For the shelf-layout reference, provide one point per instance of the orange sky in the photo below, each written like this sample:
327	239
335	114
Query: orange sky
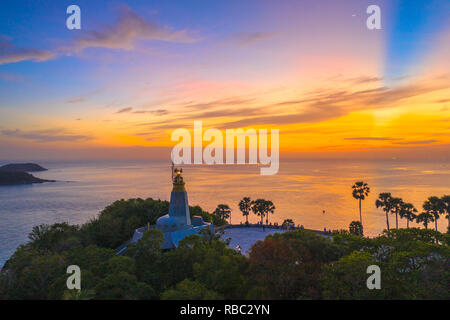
323	86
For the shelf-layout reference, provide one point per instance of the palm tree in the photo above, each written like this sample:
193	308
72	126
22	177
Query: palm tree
262	208
434	206
360	192
258	208
245	205
446	201
396	207
384	201
408	212
270	208
426	218
223	211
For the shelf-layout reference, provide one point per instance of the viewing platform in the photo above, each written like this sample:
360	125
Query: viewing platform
243	236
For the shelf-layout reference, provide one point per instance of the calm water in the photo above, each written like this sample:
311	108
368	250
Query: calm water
300	191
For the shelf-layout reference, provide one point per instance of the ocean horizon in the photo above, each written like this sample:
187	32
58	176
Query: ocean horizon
313	193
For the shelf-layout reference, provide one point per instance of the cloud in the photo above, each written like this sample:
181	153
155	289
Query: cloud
244	39
51	135
328	104
365	79
158	112
129	28
372	139
125	110
10	53
232	101
84	97
416	142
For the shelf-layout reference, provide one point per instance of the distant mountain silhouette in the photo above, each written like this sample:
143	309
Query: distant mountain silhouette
8	178
17	174
22	167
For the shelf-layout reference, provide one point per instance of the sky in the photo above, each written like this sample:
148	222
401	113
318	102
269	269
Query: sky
137	70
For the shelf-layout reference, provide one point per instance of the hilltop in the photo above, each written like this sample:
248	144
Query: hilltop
22	167
11	178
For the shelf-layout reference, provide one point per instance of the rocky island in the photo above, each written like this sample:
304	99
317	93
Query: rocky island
22	167
17	174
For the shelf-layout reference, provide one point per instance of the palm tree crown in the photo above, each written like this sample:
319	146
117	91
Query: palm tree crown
425	217
408	211
434	206
262	208
446	202
396	205
245	205
384	201
360	192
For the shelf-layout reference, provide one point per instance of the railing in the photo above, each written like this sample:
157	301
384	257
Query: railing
269	226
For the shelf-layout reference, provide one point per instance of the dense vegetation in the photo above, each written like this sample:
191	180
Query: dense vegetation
292	265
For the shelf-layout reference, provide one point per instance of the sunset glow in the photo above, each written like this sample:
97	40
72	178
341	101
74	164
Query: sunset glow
127	79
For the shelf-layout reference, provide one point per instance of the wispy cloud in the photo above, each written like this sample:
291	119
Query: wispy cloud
10	53
331	104
83	97
373	139
51	135
130	27
244	39
125	110
365	79
417	142
231	101
158	112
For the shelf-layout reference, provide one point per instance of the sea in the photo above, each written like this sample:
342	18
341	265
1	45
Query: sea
314	193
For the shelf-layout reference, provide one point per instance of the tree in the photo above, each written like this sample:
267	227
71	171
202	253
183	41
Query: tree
360	192
78	294
262	208
434	206
413	266
425	217
190	290
223	211
396	204
287	222
346	278
55	238
408	212
384	201
245	205
207	233
446	201
288	265
123	285
356	228
270	208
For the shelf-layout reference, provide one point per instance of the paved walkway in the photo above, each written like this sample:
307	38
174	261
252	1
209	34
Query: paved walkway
247	236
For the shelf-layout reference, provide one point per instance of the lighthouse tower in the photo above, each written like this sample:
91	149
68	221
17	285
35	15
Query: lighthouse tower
178	217
177	224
